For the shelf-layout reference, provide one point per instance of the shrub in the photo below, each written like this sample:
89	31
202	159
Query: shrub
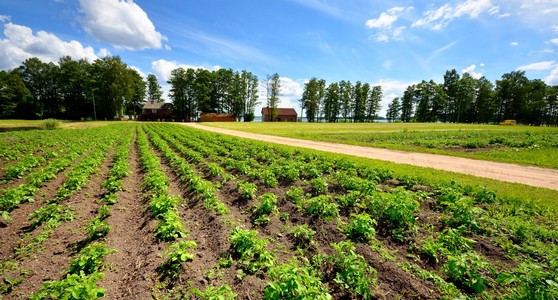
394	211
321	207
90	259
250	249
73	287
319	186
247	190
50	124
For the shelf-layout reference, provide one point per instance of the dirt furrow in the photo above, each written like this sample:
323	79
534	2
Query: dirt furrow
132	270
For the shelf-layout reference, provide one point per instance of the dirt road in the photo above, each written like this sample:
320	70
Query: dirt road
534	176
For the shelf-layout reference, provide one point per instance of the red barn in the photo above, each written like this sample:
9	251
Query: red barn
279	115
155	111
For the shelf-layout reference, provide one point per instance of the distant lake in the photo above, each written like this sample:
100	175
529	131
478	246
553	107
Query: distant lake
304	119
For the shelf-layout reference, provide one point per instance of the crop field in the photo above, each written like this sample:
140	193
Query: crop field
164	211
529	145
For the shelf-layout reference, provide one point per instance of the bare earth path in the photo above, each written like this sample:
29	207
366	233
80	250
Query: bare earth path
534	176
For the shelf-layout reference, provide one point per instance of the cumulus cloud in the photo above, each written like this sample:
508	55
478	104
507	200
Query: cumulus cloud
514	44
20	44
384	24
440	17
291	91
4	18
539	66
162	68
554	41
471	70
122	24
555	28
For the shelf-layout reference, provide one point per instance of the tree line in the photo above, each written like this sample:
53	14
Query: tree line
220	91
464	99
341	101
108	88
71	89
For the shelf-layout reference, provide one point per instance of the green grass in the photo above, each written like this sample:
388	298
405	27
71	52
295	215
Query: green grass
526	145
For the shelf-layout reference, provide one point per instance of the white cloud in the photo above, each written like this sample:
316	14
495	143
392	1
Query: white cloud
555	27
439	18
103	53
20	44
384	24
471	70
142	74
4	18
122	24
552	78
514	44
554	41
291	92
539	66
162	68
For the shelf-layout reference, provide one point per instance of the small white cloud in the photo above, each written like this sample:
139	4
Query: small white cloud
514	44
384	23
122	24
139	72
539	66
4	18
471	70
501	16
439	18
20	44
548	51
554	41
555	28
481	65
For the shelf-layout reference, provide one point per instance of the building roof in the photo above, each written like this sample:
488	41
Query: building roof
157	105
281	111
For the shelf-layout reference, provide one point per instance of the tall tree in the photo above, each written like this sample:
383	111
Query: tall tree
510	90
407	104
486	101
347	99
314	91
361	96
331	103
74	81
134	106
393	110
250	95
154	91
113	86
373	103
451	88
182	93
273	89
14	95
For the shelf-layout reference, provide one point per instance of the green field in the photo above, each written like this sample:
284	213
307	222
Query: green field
211	215
527	145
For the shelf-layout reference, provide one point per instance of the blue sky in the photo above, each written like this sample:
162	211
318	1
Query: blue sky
388	43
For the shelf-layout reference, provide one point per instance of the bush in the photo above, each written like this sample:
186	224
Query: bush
293	282
50	124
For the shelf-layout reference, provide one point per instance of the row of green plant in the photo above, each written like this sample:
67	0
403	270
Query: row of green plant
24	192
165	208
360	195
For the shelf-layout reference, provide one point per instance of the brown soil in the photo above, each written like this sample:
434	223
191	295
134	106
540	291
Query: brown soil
534	176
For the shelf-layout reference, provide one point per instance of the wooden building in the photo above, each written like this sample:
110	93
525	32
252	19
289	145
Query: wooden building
279	115
156	111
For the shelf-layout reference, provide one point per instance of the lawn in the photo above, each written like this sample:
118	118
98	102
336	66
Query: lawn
513	144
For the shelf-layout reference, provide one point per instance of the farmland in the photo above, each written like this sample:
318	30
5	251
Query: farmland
160	210
527	145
